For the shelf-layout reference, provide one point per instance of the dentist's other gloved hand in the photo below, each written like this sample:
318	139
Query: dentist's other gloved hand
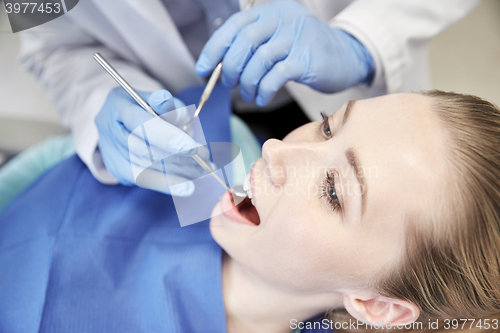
132	139
264	47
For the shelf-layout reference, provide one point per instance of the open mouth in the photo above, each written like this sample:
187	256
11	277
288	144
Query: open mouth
248	211
240	210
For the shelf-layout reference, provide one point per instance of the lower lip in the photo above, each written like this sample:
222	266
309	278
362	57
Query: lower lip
231	212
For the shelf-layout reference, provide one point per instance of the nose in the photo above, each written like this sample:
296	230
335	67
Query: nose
282	158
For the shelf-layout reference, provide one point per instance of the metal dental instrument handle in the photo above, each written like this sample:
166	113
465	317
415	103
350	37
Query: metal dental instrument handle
248	5
121	81
150	110
208	169
206	93
211	82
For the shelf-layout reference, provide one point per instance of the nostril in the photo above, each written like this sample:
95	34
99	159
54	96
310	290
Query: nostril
276	174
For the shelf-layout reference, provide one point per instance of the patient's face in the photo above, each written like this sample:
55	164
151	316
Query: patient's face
332	198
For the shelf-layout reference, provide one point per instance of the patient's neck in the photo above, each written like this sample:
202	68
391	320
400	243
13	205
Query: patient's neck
252	305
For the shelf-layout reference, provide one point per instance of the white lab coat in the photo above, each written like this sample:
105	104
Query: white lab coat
141	41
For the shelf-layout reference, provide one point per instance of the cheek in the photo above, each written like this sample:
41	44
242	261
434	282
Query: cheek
313	246
305	249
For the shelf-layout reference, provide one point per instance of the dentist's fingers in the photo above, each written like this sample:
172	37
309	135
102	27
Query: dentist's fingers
244	45
221	40
264	58
281	73
119	168
165	139
161	101
169	108
130	114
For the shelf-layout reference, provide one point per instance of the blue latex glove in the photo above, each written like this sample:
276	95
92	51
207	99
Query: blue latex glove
121	122
266	46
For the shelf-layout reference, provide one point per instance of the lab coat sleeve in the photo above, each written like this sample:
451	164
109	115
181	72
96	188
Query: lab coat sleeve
396	31
60	56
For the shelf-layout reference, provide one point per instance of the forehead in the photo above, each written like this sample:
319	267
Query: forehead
400	146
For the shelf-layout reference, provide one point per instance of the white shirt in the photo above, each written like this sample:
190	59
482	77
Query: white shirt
197	20
141	40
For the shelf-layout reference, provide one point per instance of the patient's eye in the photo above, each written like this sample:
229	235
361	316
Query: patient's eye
329	192
325	126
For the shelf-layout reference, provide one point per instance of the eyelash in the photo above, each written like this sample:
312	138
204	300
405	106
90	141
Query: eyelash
329	181
323	126
328	184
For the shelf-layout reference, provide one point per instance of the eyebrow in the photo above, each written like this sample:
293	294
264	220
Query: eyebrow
347	112
353	161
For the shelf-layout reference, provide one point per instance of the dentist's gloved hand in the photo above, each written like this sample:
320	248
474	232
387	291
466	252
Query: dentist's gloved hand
266	46
122	124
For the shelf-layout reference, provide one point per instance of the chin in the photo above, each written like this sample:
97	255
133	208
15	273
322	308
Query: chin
215	218
230	225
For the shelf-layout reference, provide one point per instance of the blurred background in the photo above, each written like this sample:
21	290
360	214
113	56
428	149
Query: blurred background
465	58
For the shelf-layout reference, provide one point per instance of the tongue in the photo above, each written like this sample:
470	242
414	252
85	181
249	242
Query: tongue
248	211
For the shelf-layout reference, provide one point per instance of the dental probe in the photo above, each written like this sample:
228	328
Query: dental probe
211	82
121	81
128	88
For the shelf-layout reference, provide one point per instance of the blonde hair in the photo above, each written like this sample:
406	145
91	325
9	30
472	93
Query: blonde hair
456	276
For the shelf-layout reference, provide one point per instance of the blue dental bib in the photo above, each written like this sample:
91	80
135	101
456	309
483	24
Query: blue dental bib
80	256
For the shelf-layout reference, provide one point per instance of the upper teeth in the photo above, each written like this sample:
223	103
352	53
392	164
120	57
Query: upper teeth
247	187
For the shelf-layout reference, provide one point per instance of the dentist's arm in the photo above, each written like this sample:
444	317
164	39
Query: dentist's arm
397	34
59	54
